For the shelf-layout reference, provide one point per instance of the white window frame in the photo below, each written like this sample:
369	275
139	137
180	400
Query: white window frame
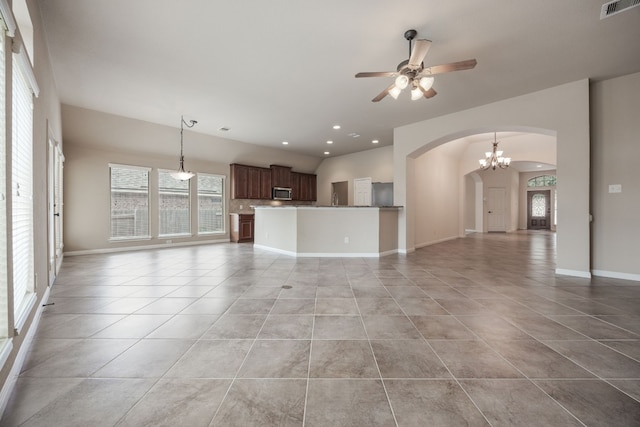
141	236
224	206
25	88
186	233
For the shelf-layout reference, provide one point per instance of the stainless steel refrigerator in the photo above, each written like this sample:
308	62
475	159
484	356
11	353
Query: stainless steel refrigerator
382	194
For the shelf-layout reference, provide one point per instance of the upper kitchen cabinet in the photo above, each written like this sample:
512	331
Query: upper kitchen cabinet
280	176
239	181
250	182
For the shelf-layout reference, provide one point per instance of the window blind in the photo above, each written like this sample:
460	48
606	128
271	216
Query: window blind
129	202
173	205
210	204
22	189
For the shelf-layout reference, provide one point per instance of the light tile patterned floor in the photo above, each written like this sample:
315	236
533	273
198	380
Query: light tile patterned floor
475	331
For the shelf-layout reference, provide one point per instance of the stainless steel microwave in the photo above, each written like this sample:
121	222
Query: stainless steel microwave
281	193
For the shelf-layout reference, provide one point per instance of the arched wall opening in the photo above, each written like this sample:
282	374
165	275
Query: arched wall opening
562	110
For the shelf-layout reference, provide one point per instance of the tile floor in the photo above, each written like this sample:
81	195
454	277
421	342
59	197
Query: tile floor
475	331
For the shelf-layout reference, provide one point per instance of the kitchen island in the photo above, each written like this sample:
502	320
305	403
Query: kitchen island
327	231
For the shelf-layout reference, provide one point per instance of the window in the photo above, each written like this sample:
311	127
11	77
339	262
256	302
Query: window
542	181
210	204
4	307
22	190
173	205
129	202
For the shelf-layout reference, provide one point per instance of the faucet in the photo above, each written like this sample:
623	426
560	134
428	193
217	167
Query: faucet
334	199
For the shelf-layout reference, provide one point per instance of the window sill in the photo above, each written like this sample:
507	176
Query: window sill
128	239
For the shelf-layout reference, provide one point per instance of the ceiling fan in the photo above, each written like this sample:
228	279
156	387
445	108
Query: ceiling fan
412	72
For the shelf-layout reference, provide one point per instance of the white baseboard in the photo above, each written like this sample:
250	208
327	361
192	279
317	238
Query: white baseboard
12	378
141	248
446	239
574	273
616	275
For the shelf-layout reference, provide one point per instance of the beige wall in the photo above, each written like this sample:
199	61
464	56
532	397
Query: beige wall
436	195
376	163
94	139
561	111
615	144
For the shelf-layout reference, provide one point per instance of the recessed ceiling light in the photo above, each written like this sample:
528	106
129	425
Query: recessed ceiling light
539	166
285	143
375	141
336	127
354	135
329	142
326	153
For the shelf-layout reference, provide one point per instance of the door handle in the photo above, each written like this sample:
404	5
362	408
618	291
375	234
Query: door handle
490	212
56	214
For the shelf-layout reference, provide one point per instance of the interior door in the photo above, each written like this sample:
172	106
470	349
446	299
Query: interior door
54	193
496	210
539	210
362	191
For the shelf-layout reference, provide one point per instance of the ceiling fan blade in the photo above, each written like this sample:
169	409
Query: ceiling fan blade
383	93
377	74
428	93
419	51
446	68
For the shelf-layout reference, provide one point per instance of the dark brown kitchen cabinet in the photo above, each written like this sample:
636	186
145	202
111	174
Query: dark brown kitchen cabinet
254	183
295	186
242	226
281	176
239	181
265	183
250	182
303	186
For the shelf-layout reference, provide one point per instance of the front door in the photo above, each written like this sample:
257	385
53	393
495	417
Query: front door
538	210
497	213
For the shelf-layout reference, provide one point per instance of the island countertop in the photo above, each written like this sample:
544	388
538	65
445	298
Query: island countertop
324	206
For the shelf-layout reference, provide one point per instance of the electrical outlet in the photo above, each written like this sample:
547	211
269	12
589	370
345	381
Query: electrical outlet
615	188
346	240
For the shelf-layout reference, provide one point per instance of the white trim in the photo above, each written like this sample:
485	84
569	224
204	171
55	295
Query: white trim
406	251
434	242
7	17
616	275
141	248
5	352
12	378
25	311
20	52
327	254
575	273
117	165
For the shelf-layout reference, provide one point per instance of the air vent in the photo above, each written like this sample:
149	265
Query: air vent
614	7
224	129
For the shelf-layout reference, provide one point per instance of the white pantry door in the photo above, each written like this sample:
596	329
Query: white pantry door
362	191
496	209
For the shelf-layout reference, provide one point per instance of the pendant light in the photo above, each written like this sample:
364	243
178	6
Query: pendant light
181	174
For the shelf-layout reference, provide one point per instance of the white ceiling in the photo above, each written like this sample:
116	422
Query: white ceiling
283	70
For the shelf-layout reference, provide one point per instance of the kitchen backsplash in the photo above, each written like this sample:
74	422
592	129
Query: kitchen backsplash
244	205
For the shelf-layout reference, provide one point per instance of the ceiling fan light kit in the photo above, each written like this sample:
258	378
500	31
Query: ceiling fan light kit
413	72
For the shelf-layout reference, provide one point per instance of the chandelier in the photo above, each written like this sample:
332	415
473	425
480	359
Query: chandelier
181	174
494	158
